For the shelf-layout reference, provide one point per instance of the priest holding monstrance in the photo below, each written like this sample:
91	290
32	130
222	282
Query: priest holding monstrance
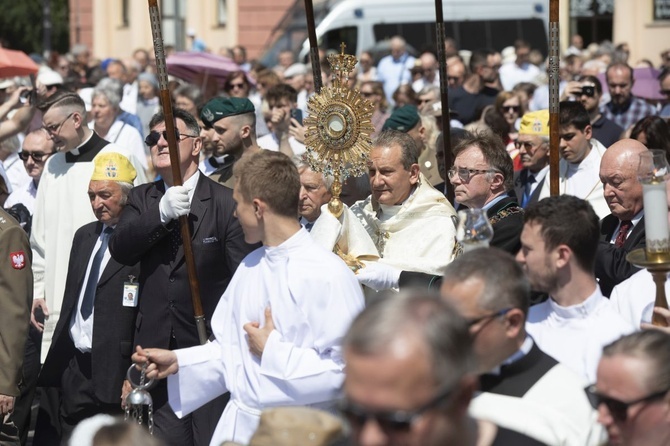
405	222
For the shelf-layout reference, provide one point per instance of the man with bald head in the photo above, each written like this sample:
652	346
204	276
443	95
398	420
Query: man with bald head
623	230
429	73
394	70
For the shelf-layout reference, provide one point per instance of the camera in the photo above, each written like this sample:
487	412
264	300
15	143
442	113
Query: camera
588	90
25	96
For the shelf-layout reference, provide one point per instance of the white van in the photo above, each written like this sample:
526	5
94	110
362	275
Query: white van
474	24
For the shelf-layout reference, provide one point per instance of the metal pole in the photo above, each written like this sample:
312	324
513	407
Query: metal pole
166	103
444	94
313	46
553	70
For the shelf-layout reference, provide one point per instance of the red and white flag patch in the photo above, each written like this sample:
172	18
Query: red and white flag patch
18	259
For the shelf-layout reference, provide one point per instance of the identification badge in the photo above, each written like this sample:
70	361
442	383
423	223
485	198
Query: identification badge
131	293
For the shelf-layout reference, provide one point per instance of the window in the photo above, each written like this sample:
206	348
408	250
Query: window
125	21
221	12
661	9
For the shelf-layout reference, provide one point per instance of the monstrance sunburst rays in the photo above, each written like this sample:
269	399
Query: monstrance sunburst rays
338	129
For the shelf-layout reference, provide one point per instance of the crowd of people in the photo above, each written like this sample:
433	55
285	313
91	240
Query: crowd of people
373	327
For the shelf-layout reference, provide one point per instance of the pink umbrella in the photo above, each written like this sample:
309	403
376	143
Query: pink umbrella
198	68
646	84
16	63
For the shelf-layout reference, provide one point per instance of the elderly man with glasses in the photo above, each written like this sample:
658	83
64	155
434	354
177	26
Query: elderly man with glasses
533	146
149	233
482	177
521	387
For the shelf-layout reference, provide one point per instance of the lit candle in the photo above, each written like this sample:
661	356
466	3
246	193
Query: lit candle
652	171
656	217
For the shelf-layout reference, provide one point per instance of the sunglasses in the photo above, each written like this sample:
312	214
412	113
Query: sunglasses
618	409
234	86
153	137
473	322
665	92
511	108
389	421
527	145
465	174
37	157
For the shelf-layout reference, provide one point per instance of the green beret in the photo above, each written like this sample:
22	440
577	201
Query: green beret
403	119
219	108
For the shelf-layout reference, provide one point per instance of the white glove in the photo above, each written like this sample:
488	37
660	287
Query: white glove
378	276
174	204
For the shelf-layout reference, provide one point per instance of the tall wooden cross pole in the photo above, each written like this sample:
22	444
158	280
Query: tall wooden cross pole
553	69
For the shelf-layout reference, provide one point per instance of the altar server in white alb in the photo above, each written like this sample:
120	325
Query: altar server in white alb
279	326
558	249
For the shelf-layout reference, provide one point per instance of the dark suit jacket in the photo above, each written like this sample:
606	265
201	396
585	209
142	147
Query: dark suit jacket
113	324
520	180
165	307
612	267
506	218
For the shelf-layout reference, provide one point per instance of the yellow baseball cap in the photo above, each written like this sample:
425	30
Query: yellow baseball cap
113	166
535	123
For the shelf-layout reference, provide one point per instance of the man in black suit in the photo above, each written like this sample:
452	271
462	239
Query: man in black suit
482	176
623	230
92	342
518	381
149	233
533	145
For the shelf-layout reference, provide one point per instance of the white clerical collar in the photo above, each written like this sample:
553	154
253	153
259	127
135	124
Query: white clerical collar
525	348
75	151
388	212
188	184
579	311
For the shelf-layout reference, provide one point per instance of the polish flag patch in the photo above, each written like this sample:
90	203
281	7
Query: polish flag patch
18	259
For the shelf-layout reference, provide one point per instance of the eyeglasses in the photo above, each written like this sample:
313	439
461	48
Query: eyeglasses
54	129
665	92
234	86
618	409
527	145
465	174
475	321
37	157
389	421
511	108
153	137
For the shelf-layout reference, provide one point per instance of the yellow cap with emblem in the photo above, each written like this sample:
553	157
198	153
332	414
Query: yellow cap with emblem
535	123
112	166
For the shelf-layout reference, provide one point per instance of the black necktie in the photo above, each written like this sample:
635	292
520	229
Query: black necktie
93	275
309	225
527	190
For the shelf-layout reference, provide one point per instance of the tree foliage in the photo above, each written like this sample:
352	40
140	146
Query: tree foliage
22	25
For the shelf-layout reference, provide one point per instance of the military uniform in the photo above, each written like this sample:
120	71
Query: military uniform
16	297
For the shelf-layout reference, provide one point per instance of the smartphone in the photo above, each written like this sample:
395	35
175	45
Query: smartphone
296	114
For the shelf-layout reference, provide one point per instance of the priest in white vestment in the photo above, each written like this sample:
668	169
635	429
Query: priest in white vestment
62	205
278	327
410	223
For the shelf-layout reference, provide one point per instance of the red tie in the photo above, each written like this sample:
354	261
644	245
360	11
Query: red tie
623	233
